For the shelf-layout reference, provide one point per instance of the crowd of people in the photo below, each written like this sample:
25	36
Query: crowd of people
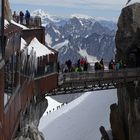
81	65
19	17
99	65
116	65
112	65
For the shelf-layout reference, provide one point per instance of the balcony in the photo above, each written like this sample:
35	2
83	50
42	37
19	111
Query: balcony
32	22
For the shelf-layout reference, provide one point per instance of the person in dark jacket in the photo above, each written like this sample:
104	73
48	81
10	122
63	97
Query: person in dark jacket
14	16
111	63
102	64
27	17
21	15
97	66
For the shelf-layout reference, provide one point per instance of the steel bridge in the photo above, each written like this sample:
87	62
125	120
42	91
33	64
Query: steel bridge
70	83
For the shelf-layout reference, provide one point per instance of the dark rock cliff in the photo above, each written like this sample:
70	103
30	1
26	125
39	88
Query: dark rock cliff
125	117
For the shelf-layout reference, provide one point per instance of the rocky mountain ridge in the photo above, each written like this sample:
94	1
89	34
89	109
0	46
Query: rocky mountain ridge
78	37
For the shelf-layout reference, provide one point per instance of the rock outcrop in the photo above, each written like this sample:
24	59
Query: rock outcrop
30	132
103	133
128	36
29	128
125	118
116	123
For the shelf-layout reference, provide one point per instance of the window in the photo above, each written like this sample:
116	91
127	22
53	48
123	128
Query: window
28	62
46	69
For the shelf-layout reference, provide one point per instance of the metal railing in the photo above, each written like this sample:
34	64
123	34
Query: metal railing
123	75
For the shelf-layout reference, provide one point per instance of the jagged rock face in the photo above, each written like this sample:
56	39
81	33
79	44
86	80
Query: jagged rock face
29	127
128	50
30	132
128	36
116	124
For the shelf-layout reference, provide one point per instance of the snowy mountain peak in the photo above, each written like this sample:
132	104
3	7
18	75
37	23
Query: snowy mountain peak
48	18
79	36
81	16
42	14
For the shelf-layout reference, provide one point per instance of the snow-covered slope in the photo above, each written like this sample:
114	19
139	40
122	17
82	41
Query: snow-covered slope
81	118
52	104
89	58
60	45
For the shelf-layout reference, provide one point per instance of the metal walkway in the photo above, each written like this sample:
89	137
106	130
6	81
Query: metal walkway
70	83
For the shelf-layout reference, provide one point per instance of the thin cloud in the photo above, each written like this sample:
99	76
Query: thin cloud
76	3
105	8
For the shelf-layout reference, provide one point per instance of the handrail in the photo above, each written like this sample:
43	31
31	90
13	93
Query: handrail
45	75
100	75
78	82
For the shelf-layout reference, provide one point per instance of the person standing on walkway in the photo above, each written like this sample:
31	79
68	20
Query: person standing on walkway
21	15
14	16
27	17
102	64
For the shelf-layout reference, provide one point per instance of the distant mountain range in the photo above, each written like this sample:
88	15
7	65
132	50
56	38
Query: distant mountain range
79	36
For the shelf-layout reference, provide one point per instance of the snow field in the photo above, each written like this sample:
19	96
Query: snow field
81	118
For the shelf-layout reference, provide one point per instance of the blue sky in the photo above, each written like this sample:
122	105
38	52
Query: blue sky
109	9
